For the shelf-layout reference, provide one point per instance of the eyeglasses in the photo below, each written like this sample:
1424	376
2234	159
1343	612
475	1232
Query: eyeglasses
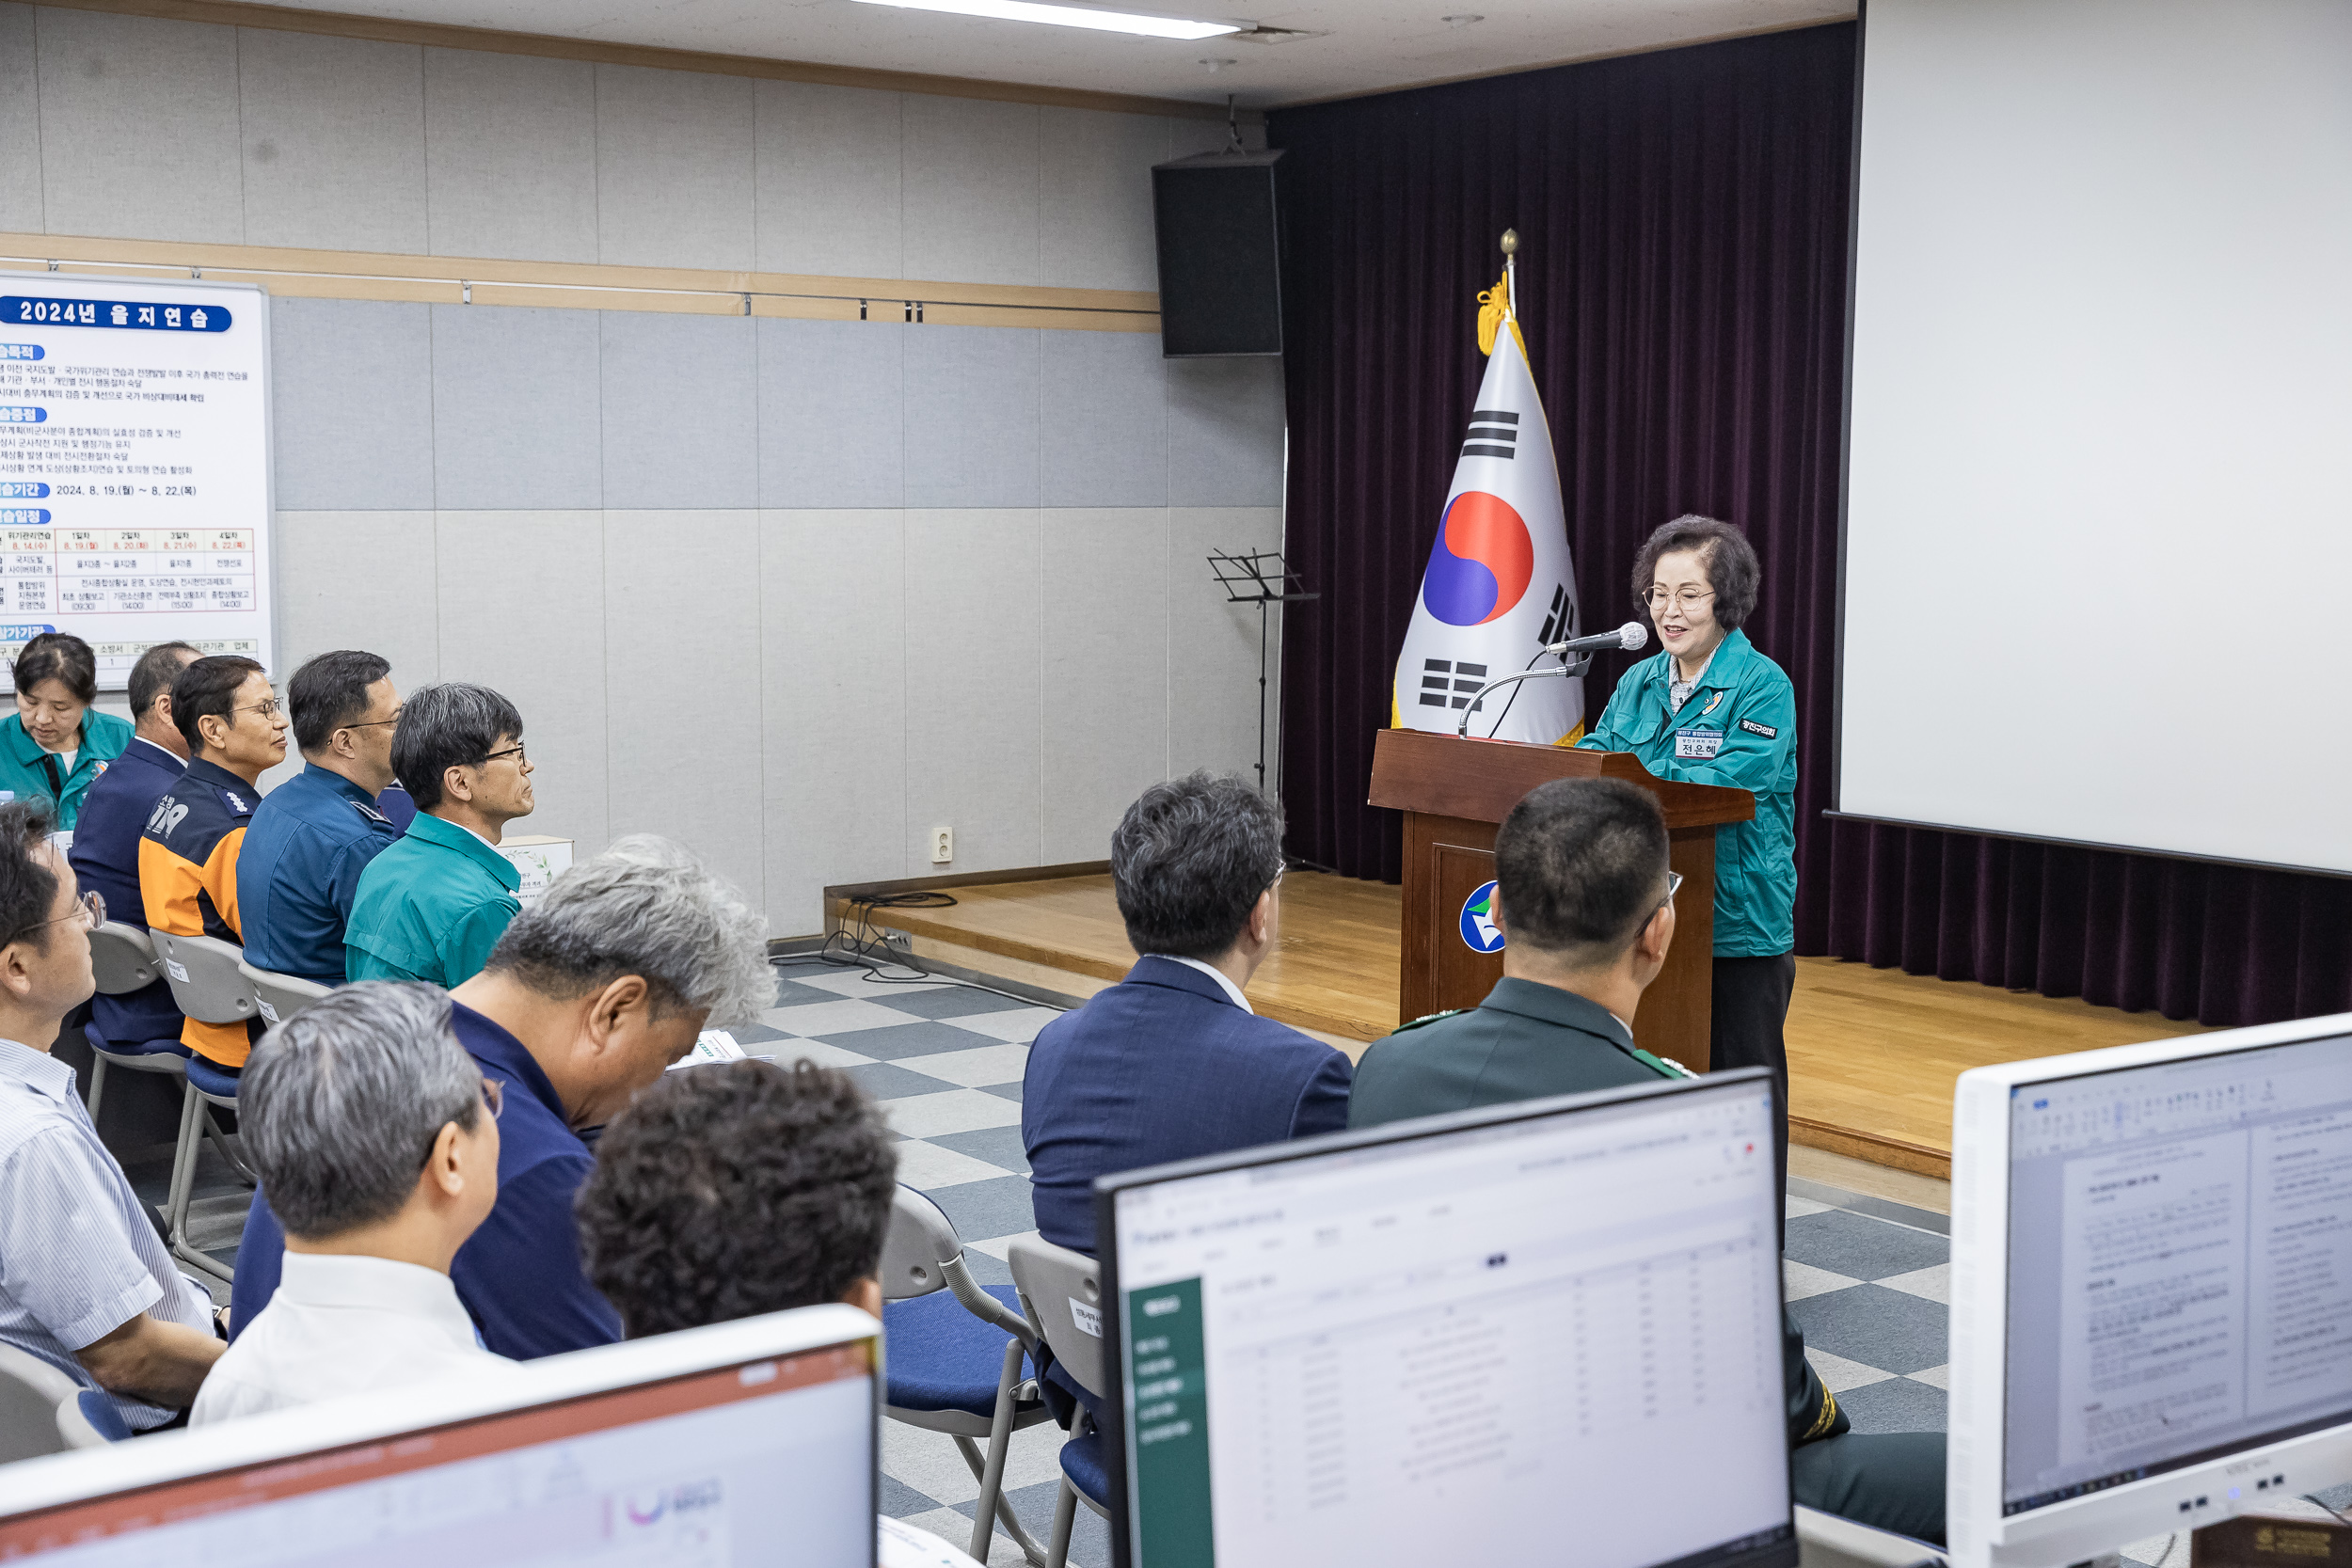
520	756
494	1096
268	709
370	723
90	906
1684	598
1673	885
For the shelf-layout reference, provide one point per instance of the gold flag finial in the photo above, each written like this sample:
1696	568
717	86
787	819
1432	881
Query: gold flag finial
1510	241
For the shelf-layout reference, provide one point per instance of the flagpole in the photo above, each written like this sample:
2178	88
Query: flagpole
1510	268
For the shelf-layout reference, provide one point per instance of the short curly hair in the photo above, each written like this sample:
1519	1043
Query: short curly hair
1732	569
723	1192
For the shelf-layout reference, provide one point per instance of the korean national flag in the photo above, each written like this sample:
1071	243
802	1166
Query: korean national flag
1499	585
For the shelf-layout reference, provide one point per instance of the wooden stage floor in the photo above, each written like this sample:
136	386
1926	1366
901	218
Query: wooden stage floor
1872	1053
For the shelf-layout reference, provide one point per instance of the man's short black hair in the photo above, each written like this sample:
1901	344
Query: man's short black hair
448	725
207	689
725	1191
330	692
1579	868
156	670
1188	861
27	888
60	656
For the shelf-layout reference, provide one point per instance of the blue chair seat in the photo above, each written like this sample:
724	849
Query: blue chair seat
148	1048
1082	1462
212	1077
99	1412
942	1357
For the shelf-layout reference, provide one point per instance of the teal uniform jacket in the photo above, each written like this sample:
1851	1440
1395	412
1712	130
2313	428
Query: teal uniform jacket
430	908
1739	728
24	766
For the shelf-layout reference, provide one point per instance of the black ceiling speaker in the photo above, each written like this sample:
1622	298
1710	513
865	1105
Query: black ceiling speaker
1221	254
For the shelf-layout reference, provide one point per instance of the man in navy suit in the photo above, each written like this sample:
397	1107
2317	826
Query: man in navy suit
105	852
1172	1062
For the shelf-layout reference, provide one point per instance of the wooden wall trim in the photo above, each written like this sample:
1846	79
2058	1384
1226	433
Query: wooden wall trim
435	35
586	286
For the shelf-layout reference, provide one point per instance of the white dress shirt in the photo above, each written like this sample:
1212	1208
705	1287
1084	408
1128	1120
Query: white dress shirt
343	1326
1215	974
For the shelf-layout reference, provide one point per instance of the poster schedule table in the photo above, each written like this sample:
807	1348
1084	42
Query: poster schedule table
135	465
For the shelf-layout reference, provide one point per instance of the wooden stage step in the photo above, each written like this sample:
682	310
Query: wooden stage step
1872	1053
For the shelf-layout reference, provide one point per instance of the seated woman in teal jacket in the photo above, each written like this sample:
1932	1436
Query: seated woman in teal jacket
54	744
1711	709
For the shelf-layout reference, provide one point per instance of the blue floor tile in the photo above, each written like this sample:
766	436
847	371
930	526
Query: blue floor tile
981	1210
1860	1248
1090	1535
894	1041
998	1145
955	1002
1876	1327
791	993
1003	1091
1898	1404
898	1500
885	1081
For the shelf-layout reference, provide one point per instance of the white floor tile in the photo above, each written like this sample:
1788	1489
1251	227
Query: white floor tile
834	1018
1934	1377
1800	1280
999	1247
1018	1025
1799	1206
784	1052
928	1461
2160	1551
852	982
974	1069
927	1165
1933	1284
930	1116
1840	1374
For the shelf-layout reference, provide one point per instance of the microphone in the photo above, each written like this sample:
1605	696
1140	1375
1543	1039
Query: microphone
1628	637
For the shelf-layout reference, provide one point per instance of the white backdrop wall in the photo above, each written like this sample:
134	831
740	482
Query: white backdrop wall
795	591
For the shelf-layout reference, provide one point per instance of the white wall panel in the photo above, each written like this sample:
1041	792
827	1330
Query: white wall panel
520	596
680	411
351	399
1104	420
1106	680
974	599
1213	646
971	417
970	190
333	141
510	155
139	127
673	168
20	122
828	180
683	670
834	668
1096	218
516	408
1225	425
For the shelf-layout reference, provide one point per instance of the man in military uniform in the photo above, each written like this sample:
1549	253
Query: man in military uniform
1585	900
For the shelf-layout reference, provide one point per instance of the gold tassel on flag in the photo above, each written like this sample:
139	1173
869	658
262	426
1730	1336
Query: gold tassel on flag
1494	304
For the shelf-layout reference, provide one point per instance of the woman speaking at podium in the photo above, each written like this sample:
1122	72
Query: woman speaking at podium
1710	709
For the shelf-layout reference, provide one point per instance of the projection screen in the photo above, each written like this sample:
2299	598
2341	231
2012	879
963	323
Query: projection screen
2098	541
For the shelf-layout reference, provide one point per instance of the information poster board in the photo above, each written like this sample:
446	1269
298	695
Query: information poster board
135	465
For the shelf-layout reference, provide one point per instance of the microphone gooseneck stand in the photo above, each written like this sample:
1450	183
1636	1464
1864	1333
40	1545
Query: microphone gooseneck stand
1584	662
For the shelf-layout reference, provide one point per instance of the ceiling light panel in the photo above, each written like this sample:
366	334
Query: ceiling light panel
1142	23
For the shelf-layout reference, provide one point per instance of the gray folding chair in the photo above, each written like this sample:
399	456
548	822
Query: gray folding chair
124	962
954	1355
208	981
1061	1291
1826	1541
35	1398
280	996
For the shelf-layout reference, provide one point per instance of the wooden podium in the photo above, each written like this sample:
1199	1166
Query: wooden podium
1454	793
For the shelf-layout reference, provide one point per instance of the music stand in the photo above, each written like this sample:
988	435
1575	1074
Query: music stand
1261	578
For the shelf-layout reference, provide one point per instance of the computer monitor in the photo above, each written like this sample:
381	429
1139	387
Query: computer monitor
1547	1332
745	1443
2151	1290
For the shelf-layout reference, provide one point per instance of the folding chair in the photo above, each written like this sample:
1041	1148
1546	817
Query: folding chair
124	962
954	1354
1055	1284
40	1409
280	996
208	981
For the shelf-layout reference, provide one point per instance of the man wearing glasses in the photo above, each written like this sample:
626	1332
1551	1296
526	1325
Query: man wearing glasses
228	713
85	1284
317	831
432	906
377	1136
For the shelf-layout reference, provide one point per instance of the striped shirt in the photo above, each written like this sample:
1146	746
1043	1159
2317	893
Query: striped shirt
78	1255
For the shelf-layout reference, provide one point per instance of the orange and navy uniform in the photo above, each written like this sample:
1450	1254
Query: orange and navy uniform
188	879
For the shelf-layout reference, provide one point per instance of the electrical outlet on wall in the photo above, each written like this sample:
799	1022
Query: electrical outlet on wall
943	846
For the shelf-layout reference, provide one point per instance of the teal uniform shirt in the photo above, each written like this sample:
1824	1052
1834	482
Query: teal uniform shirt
430	908
1739	728
24	766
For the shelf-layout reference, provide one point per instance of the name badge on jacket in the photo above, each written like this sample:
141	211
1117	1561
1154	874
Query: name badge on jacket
1697	745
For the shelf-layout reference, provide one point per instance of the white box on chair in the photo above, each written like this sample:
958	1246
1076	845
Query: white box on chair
540	859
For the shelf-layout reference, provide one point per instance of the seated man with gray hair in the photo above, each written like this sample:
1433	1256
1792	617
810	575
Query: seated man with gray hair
592	993
335	1105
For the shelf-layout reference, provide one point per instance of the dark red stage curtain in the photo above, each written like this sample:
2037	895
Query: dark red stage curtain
1684	220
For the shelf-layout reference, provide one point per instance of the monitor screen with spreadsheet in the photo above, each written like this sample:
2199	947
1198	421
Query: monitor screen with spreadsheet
2151	1290
1544	1332
746	1443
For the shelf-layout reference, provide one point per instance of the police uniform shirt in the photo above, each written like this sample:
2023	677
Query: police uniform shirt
188	879
431	907
105	860
299	871
1737	727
